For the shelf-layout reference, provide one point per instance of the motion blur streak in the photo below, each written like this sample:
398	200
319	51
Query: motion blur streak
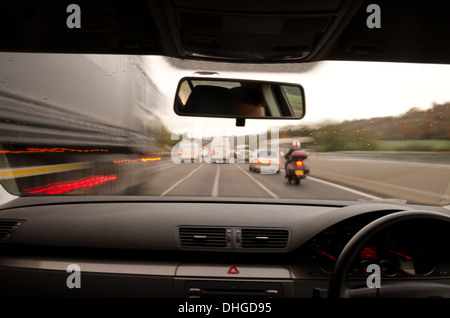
39	170
136	160
45	150
72	185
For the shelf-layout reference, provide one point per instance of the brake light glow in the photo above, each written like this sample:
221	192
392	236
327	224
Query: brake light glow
149	159
299	163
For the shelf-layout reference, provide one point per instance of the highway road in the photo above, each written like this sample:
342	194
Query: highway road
330	179
235	180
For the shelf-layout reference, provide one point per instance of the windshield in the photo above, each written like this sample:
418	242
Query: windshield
105	125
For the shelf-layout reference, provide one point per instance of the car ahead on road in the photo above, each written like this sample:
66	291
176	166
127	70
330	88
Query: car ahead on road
266	161
189	152
91	94
242	154
220	150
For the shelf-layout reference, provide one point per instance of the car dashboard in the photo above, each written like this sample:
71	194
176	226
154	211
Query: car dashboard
193	248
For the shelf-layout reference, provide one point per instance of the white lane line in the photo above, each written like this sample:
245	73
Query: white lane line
345	188
180	181
273	195
215	188
167	166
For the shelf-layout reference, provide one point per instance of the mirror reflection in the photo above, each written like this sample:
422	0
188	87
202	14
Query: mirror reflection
239	99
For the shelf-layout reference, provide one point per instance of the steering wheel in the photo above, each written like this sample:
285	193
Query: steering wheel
338	283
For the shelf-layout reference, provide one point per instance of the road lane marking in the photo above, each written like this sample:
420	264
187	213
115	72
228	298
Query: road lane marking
345	188
273	195
215	188
180	181
166	166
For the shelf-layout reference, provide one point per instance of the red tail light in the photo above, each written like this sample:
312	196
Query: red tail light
256	161
299	163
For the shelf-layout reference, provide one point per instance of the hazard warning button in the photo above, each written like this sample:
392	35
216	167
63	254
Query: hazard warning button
233	270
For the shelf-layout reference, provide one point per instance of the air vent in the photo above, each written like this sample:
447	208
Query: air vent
203	237
264	238
7	227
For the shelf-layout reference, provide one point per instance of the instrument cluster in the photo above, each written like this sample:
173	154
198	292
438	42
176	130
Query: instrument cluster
410	250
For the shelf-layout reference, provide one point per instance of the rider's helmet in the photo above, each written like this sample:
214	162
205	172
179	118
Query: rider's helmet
296	144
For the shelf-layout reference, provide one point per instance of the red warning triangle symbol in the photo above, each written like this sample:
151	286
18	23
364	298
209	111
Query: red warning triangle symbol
233	270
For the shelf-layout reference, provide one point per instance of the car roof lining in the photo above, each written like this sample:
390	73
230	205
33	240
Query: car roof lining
330	30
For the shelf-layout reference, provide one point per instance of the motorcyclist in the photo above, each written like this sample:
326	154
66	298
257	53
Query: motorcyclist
295	146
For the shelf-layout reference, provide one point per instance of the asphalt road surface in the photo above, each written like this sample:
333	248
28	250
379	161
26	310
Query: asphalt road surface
235	180
330	179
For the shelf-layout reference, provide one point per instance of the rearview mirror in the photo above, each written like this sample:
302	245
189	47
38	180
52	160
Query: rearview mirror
240	99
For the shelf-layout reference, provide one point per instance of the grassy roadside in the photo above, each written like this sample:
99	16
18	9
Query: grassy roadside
413	145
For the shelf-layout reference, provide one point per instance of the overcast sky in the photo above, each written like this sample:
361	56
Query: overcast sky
334	91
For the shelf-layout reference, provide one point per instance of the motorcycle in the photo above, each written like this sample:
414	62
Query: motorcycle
296	169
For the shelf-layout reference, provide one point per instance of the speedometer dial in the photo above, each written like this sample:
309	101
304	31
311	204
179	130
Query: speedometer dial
410	256
326	250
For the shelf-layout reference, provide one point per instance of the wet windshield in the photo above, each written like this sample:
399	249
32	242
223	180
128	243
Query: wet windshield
105	125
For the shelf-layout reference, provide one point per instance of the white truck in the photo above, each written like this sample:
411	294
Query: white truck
220	150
